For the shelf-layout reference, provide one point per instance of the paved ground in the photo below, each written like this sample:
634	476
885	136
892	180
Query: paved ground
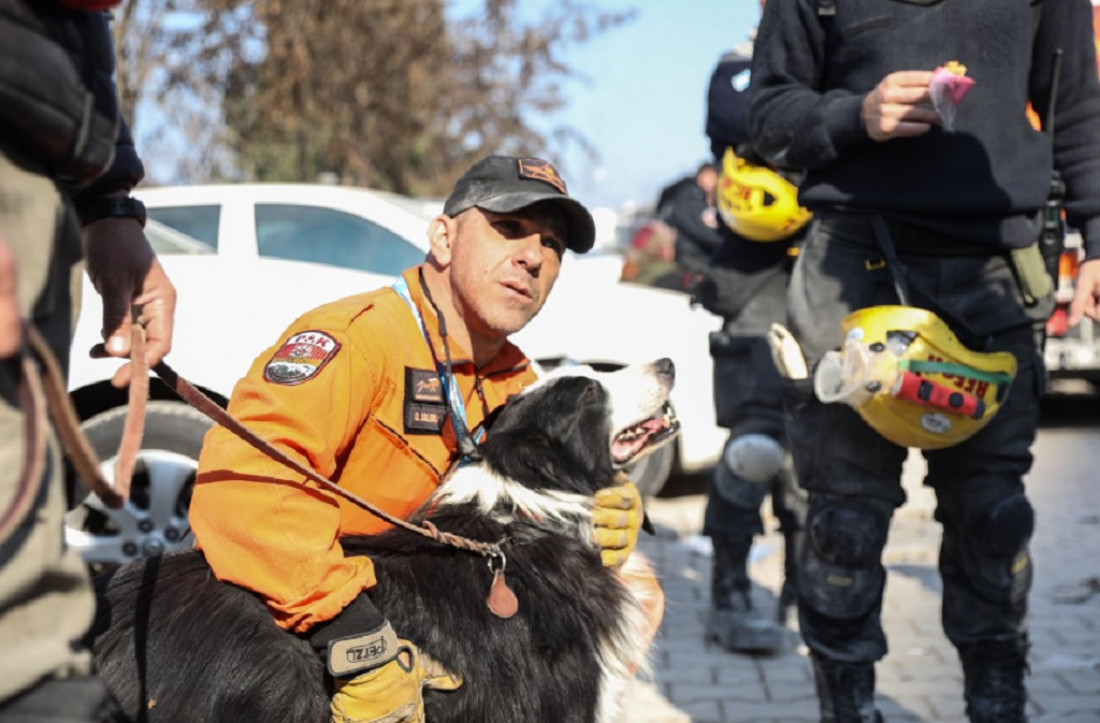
920	679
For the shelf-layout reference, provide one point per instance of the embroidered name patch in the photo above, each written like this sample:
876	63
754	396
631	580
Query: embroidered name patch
301	357
425	406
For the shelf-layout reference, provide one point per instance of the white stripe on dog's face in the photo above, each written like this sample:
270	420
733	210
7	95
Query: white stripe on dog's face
636	392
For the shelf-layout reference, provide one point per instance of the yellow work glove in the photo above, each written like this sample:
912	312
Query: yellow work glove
392	692
616	518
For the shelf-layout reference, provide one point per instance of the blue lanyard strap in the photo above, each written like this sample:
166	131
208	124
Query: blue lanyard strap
466	444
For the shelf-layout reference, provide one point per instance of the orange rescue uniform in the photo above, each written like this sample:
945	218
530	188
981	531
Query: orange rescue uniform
352	391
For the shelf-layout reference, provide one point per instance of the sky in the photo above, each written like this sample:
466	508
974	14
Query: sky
641	102
643	107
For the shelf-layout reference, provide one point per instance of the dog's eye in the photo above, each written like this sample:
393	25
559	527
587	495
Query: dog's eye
591	393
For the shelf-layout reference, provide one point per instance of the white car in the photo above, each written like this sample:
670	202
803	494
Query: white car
248	259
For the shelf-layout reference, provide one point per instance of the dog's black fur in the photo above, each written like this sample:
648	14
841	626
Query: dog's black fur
175	644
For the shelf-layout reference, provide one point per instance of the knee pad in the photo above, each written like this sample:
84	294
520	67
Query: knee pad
994	555
737	491
842	576
754	457
1004	529
849	532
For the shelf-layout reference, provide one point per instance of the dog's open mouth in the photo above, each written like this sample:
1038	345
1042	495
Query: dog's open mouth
645	435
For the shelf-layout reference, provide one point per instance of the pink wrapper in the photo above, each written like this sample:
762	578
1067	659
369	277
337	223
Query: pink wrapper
947	90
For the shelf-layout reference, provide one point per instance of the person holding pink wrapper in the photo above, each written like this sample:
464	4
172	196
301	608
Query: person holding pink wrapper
927	185
948	87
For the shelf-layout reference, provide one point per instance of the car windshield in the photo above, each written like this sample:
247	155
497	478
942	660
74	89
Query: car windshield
165	240
326	236
197	222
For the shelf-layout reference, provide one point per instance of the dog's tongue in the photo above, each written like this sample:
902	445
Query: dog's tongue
630	443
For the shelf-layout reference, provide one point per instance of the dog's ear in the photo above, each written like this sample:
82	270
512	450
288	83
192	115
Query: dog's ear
494	415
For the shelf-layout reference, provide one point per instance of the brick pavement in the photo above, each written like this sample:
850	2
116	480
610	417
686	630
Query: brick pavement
920	679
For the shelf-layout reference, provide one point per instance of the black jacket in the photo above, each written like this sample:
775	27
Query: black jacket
727	123
687	211
58	102
983	184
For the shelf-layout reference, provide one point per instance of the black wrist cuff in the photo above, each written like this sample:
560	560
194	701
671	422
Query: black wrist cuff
357	639
93	209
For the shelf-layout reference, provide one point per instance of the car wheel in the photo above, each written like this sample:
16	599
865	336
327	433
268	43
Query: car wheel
154	519
650	473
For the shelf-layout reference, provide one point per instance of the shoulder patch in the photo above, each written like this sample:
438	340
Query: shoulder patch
301	357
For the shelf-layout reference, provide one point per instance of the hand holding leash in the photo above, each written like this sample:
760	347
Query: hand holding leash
617	517
126	273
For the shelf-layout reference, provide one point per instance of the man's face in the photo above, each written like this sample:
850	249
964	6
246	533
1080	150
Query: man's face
708	180
503	266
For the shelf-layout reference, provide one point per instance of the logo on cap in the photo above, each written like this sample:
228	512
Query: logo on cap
540	170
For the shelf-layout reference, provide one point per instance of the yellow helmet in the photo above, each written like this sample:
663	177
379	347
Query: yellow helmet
909	377
756	202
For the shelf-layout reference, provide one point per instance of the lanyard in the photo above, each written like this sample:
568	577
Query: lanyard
466	443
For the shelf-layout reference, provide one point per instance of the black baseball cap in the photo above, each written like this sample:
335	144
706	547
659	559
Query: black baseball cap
504	184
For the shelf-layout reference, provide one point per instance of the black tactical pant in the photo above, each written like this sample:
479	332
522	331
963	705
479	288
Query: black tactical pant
853	474
749	400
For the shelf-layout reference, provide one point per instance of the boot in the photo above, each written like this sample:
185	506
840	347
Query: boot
845	691
732	622
788	594
786	608
994	673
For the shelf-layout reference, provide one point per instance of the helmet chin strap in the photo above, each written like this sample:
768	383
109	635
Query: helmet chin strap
898	270
899	273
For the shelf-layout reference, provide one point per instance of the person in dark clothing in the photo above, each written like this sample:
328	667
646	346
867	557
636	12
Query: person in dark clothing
907	211
689	210
749	278
67	164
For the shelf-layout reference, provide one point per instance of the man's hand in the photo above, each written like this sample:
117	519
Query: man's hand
1086	294
900	106
617	516
126	273
392	692
11	327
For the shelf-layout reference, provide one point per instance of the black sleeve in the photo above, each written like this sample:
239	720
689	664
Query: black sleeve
126	170
727	123
358	618
685	214
1067	26
791	123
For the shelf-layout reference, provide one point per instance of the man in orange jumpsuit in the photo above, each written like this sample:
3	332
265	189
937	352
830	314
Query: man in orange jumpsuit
379	392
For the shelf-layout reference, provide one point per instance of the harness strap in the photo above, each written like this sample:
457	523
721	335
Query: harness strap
30	480
43	396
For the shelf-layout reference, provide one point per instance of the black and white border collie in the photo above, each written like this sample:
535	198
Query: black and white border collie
175	644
